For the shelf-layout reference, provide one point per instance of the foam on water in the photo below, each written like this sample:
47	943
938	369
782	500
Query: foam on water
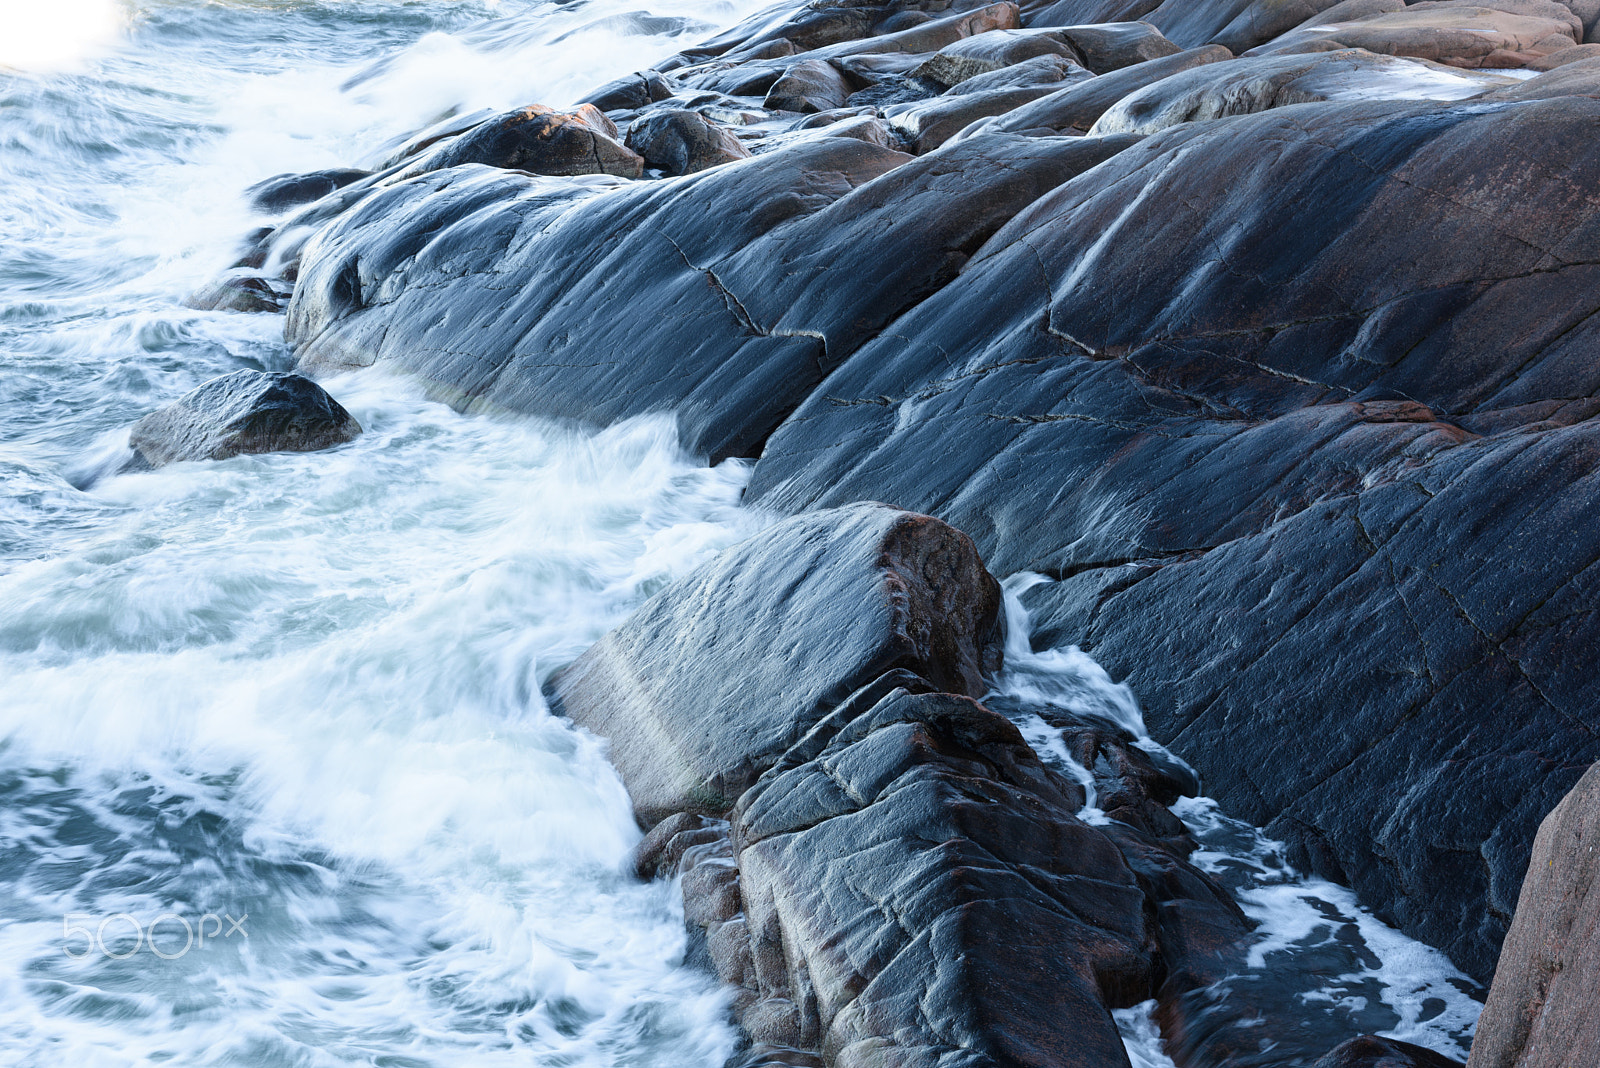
1318	962
302	691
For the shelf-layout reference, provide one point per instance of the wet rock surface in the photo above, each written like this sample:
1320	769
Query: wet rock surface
1255	426
243	412
899	878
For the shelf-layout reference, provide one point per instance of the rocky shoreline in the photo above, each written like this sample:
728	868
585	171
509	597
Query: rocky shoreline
1266	330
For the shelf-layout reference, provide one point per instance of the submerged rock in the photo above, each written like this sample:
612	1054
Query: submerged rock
1371	1051
243	412
284	191
1541	1008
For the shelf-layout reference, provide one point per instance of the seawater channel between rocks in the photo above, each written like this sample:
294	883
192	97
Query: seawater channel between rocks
302	692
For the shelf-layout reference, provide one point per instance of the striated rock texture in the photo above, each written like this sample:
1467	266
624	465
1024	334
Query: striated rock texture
1370	1051
730	279
1541	1009
899	879
243	412
1309	444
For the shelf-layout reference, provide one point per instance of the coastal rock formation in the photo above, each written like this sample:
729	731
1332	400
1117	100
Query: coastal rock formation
1541	1009
736	270
900	879
1370	1051
540	140
243	412
1307	492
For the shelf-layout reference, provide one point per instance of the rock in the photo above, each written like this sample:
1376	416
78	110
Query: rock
1311	480
926	126
683	142
1235	24
1054	72
808	86
1565	56
1541	1008
1257	83
1104	49
1077	107
241	290
738	271
1370	1051
631	92
1507	33
1087	12
284	191
991	51
1578	78
540	140
707	684
243	412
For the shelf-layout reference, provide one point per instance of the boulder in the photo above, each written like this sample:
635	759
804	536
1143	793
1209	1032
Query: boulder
1307	447
927	125
683	142
737	270
1076	108
241	290
540	140
808	86
991	51
715	677
1086	12
1053	72
284	191
1541	1008
631	92
1371	1051
1257	83
243	412
1462	33
1567	55
1113	46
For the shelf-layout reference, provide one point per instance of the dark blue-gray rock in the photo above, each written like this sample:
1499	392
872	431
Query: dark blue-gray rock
1372	1051
1075	108
243	412
503	291
1113	46
707	685
683	142
1298	407
809	86
242	290
284	191
631	92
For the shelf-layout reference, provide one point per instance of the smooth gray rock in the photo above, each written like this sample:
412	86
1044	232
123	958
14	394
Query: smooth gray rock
683	142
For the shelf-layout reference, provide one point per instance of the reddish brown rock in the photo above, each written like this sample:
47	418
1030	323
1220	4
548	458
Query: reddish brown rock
1544	1007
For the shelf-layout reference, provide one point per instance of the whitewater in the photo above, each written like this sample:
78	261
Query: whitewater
290	704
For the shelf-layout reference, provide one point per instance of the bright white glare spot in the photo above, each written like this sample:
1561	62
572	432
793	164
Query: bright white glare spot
49	34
